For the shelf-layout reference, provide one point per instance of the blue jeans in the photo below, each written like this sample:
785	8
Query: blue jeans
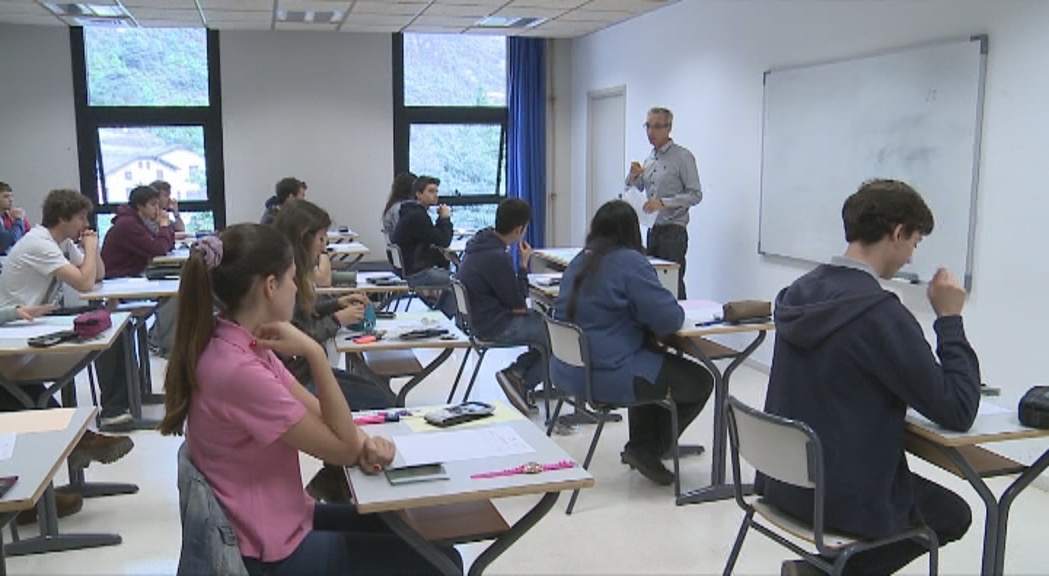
527	330
345	542
436	278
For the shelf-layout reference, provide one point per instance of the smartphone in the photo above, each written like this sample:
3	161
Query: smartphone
419	473
46	340
464	412
6	483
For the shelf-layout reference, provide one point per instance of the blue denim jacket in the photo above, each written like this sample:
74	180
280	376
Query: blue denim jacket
209	544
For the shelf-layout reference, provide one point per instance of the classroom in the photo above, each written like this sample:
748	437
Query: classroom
328	107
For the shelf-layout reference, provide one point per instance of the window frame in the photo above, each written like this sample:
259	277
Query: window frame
406	116
90	119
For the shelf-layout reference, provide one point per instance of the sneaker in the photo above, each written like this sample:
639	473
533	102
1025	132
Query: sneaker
329	485
514	388
116	422
649	466
67	503
102	448
799	568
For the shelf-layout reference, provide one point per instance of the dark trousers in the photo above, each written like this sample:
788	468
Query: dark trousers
360	392
345	542
946	513
670	242
111	368
689	385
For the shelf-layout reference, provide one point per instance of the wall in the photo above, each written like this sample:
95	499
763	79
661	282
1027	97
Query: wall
315	106
558	148
704	60
38	150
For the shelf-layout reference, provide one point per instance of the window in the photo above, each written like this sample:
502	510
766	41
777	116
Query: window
148	106
450	119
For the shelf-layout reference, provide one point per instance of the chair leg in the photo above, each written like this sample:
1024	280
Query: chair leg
672	406
94	393
477	368
455	385
731	563
934	552
551	420
589	457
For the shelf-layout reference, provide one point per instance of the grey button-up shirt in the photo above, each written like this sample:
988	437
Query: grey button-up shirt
671	176
846	262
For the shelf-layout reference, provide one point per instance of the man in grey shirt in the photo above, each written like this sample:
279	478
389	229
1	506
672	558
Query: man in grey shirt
670	180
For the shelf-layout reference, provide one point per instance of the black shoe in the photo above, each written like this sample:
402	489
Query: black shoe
329	485
799	568
514	388
648	465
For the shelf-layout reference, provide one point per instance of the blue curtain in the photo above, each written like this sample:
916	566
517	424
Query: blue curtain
526	137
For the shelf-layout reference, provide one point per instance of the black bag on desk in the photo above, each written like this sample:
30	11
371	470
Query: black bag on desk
1034	407
163	271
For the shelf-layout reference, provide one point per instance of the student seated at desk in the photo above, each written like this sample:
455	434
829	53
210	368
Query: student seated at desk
849	359
45	258
611	291
421	240
247	418
13	222
497	294
287	189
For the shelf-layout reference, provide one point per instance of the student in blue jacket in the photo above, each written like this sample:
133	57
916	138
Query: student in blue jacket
611	291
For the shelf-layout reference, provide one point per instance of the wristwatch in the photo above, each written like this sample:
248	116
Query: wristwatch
526	468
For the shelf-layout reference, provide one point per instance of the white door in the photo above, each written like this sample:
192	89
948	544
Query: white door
606	147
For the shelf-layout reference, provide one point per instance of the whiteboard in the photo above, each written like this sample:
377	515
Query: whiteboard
912	115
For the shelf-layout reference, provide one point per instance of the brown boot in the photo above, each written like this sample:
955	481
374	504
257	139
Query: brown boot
102	448
67	503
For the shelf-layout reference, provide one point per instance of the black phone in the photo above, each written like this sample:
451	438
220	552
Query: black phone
47	340
6	483
384	315
464	412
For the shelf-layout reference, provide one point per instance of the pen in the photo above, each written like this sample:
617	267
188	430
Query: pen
708	322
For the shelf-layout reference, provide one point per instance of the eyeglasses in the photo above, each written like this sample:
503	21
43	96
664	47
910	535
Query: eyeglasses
646	126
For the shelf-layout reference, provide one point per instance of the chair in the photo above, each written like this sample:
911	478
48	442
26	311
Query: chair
209	544
790	452
569	345
393	254
462	321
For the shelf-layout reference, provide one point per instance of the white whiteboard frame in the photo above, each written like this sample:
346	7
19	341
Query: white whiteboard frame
983	39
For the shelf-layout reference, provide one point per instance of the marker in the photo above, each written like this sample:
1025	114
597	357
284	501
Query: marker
709	322
910	277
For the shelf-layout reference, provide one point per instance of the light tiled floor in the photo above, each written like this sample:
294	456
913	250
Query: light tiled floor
624	525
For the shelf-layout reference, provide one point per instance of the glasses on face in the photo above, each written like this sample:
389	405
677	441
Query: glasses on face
646	126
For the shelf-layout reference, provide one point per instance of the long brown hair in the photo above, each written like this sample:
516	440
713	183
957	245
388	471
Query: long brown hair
614	226
249	251
400	190
300	222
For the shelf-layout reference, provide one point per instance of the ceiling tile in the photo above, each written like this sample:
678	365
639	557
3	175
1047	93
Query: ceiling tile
592	16
378	19
398	8
307	27
315	6
254	5
634	6
445	21
165	4
557	4
170	24
239	25
499	3
158	14
30	19
238	15
25	9
434	30
474	11
370	28
524	12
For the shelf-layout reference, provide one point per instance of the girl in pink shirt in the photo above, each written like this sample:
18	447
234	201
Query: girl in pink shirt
246	418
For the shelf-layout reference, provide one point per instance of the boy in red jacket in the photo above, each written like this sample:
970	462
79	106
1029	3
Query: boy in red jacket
130	244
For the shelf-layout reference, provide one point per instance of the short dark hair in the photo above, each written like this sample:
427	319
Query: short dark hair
141	196
422	182
288	187
512	212
879	206
64	204
160	186
5	187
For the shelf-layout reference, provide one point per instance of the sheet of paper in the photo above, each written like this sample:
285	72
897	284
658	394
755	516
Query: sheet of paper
701	311
988	409
456	445
20	330
36	420
637	199
7	445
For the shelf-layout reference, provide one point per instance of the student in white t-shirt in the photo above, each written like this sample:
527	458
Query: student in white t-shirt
62	250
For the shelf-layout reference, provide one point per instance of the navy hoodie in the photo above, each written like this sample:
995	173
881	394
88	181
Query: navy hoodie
419	238
495	290
849	359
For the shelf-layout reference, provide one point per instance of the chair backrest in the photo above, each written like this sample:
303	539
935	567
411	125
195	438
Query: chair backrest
462	305
568	344
393	254
783	449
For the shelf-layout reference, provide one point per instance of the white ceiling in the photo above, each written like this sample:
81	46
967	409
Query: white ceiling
564	18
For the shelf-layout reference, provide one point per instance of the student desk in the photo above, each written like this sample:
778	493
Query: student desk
341	236
137	289
454	251
176	256
557	259
959	453
364	284
39	450
21	364
350	253
404	322
374	494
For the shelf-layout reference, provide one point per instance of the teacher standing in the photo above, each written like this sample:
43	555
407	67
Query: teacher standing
670	180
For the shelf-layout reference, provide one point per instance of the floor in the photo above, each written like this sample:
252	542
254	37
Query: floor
623	525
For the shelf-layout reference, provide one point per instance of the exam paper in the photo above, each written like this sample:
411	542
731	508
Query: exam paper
7	445
456	445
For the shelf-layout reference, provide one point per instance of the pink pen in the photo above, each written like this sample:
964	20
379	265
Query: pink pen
369	419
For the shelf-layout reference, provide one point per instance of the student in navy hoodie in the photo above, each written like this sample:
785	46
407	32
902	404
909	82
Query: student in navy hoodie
497	298
421	239
850	359
611	291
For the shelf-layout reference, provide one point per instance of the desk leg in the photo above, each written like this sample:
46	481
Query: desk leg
522	526
50	540
5	519
991	523
418	378
718	489
425	548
